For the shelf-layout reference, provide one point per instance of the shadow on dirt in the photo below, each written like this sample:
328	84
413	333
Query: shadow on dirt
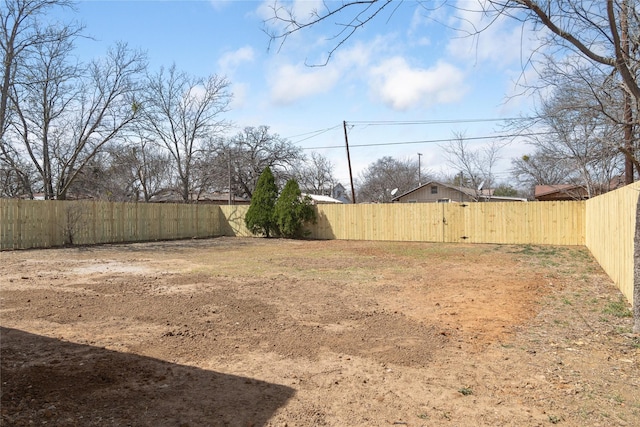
46	380
176	246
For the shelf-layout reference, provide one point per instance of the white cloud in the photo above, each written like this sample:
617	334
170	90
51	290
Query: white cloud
361	54
231	60
293	82
402	88
289	82
240	92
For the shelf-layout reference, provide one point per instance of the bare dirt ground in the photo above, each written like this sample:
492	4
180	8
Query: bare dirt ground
265	332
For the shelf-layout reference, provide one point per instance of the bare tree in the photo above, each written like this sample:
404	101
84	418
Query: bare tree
16	181
541	168
254	149
19	178
97	181
66	114
42	92
595	30
476	165
22	38
582	140
315	176
578	138
182	112
136	170
20	32
377	182
142	164
579	92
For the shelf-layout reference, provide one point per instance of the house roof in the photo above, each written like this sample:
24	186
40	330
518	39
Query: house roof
173	196
544	190
317	198
484	194
577	190
505	198
616	182
468	191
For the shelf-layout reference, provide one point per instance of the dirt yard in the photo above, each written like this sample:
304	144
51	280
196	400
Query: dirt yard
266	332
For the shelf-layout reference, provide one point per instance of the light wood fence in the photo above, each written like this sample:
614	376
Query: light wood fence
31	224
233	221
28	224
610	230
548	223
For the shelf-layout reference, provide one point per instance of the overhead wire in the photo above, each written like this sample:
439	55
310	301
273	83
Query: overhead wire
314	133
366	123
351	124
474	138
429	122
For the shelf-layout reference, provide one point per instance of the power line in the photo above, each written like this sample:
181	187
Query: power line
366	123
428	141
314	133
430	122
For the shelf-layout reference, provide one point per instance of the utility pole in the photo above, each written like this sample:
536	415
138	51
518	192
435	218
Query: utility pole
346	143
419	177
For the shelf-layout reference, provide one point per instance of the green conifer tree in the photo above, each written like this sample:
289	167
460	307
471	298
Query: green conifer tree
260	218
292	210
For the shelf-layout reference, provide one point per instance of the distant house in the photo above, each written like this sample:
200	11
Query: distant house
318	199
340	193
223	199
560	192
575	191
217	198
34	196
438	192
616	182
69	196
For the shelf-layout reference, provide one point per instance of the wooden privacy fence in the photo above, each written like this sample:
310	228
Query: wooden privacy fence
28	224
610	230
549	223
32	224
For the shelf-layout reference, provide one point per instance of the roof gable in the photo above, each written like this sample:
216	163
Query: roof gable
543	190
468	191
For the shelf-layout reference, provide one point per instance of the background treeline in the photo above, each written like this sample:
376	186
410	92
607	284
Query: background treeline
114	129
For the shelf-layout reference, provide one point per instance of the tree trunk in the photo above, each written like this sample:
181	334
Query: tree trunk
636	273
628	113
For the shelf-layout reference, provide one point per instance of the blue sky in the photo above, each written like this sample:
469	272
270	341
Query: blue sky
401	68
